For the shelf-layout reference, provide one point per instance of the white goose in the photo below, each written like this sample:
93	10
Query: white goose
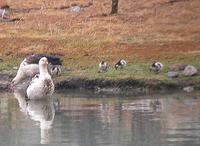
29	67
41	85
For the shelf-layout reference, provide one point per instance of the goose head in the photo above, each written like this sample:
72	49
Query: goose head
43	61
43	66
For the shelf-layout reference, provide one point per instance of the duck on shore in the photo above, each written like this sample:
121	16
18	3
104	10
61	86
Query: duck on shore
156	67
120	64
103	67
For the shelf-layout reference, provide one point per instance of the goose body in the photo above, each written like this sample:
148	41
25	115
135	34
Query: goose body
29	67
41	85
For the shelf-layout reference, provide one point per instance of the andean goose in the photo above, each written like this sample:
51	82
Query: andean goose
41	85
29	67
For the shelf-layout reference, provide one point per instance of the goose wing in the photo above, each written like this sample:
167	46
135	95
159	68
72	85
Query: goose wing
48	86
34	79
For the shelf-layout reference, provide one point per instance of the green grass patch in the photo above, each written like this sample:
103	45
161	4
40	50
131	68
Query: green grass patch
140	39
8	63
134	70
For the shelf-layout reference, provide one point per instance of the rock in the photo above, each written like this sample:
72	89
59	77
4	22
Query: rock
178	67
190	70
172	74
75	9
188	89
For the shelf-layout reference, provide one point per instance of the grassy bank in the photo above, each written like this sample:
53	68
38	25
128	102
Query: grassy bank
143	32
136	78
135	70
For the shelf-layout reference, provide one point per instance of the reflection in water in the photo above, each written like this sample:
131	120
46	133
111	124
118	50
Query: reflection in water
146	105
42	111
182	117
88	120
20	96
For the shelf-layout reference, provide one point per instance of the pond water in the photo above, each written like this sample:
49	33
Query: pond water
88	119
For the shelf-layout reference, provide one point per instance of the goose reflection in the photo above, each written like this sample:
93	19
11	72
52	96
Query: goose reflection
20	96
41	111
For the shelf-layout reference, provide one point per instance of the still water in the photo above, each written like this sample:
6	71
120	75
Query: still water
87	119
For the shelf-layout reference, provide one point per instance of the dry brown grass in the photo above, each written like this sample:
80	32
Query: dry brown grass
3	4
143	30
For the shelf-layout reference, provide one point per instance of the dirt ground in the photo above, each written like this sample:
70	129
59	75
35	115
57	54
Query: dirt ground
143	30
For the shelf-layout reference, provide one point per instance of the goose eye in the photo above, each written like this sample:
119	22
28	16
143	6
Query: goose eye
53	68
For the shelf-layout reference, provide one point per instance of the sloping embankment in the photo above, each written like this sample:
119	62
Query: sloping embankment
123	86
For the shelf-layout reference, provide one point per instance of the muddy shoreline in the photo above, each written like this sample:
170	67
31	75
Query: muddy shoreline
123	86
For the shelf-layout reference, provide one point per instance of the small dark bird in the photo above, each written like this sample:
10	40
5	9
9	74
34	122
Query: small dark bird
156	66
120	64
55	70
103	67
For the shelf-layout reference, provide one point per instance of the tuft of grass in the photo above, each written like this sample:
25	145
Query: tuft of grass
7	64
146	38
